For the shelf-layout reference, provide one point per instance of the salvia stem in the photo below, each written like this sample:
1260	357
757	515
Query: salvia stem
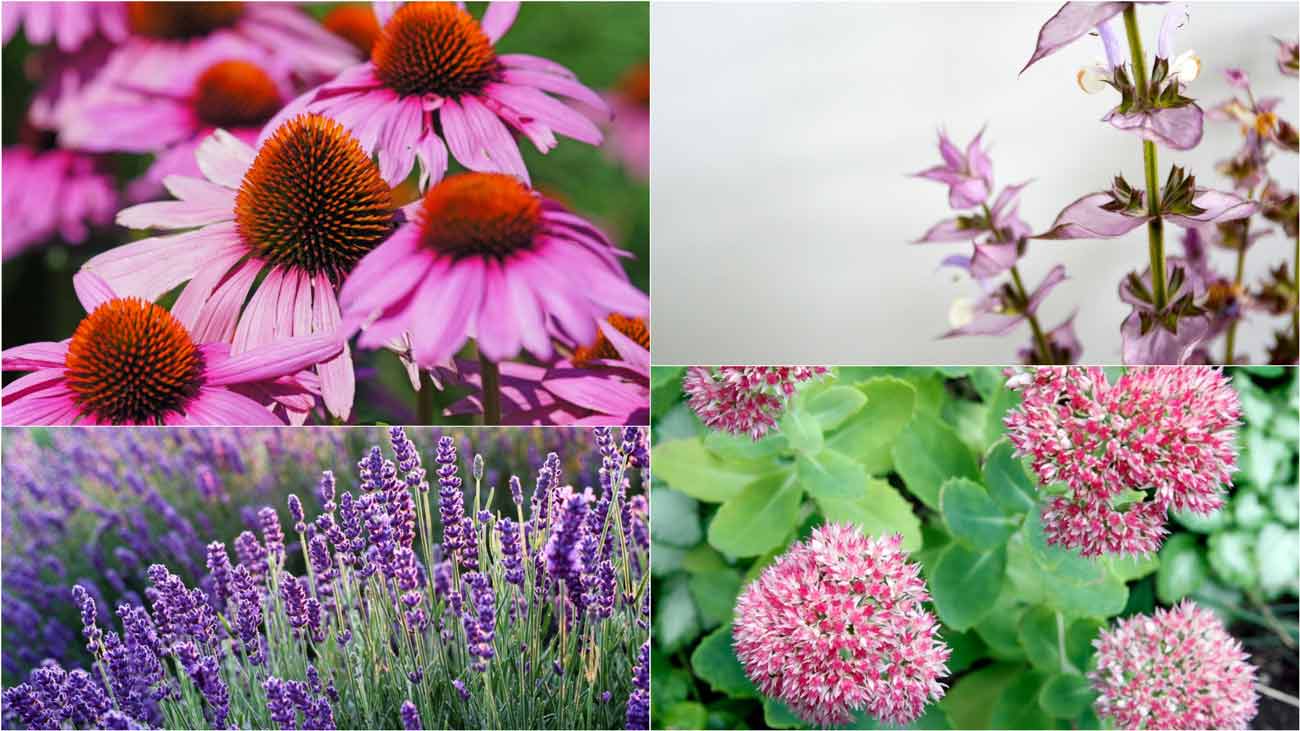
1295	281
1230	340
1156	227
491	379
1040	340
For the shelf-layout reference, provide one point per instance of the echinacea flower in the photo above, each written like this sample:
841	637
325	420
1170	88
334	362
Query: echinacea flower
434	75
132	362
1176	668
355	23
302	209
175	99
488	258
52	192
629	131
1157	439
744	399
968	175
68	24
837	624
604	383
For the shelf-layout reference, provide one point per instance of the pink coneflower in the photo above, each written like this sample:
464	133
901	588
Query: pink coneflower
68	24
355	23
133	362
837	625
629	135
176	98
485	257
1178	668
52	192
744	399
302	209
1157	439
434	74
604	383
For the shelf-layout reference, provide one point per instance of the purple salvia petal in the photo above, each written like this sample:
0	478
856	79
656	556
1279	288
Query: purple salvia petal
1178	128
1071	22
1086	219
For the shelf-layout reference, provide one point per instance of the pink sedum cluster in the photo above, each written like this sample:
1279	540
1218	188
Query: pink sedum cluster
837	625
1157	439
744	399
1178	668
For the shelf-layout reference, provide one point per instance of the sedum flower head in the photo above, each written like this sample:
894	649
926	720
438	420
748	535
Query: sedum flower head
837	625
1177	668
1125	453
744	399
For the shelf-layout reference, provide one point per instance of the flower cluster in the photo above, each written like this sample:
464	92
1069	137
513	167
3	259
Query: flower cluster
837	625
281	210
744	399
1177	668
1125	453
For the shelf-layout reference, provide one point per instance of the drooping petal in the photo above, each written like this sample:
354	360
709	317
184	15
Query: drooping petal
948	230
1175	17
992	259
268	362
1178	128
214	406
338	381
1219	207
1071	22
92	291
34	355
150	267
1086	219
1158	346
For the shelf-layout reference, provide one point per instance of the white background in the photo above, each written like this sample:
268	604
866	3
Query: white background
783	136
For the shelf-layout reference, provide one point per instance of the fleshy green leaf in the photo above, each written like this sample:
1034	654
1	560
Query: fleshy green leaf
966	584
830	474
675	518
880	511
1129	568
1008	482
1232	556
664	375
1066	696
1000	628
667	559
715	662
777	715
1278	550
834	405
801	430
1182	568
926	453
742	448
758	519
1017	707
684	715
715	596
1053	643
869	435
972	516
690	468
969	702
676	622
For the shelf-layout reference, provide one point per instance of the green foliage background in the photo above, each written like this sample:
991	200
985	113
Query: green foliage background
921	452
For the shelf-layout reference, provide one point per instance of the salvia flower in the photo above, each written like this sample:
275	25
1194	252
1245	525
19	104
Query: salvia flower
1157	439
744	399
1177	668
435	76
837	625
489	258
132	362
968	175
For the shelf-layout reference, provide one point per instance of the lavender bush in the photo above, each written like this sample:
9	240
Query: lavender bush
271	636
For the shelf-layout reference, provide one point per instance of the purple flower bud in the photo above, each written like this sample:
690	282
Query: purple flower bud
325	491
219	569
252	556
511	555
459	685
295	510
516	491
410	717
272	534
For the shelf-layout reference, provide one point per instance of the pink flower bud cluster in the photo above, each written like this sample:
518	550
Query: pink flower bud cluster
744	399
837	625
1157	439
1178	668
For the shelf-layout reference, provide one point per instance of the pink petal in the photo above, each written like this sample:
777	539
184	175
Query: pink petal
533	103
150	267
1178	128
478	139
536	63
92	291
173	215
51	406
498	19
268	362
1071	22
595	392
564	85
450	302
34	355
194	298
37	383
224	158
223	407
1219	207
398	139
1086	219
385	275
199	191
498	329
946	231
433	158
257	325
635	356
219	315
528	312
338	382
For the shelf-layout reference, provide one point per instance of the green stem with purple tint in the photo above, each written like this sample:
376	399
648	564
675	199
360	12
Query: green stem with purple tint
490	376
1230	340
1156	226
1040	340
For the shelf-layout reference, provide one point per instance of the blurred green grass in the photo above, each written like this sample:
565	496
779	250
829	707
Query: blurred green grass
599	41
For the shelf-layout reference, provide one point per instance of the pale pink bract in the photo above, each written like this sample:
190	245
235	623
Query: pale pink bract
837	624
744	399
1157	439
1178	668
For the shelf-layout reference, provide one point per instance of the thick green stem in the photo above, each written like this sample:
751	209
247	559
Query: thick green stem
1230	340
490	375
1156	227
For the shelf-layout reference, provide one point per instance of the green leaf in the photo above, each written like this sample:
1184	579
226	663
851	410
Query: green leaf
1066	696
880	511
675	518
833	406
830	474
1212	523
1286	503
801	430
1278	551
667	559
1008	481
1232	556
758	519
671	684
715	596
688	467
1050	644
742	448
926	453
676	422
684	715
967	419
972	516
1062	578
701	559
1018	707
968	702
664	375
967	648
715	662
966	584
1129	568
1182	568
676	623
999	403
777	715
869	435
1000	628
1249	509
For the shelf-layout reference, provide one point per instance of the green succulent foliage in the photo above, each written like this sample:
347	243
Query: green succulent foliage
922	452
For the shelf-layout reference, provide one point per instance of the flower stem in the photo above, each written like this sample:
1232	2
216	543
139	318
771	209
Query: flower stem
424	400
1230	340
490	374
1278	695
1156	226
1295	278
1040	340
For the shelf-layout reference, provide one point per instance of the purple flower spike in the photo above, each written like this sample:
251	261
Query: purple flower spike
410	717
638	703
968	175
1178	128
997	312
1072	22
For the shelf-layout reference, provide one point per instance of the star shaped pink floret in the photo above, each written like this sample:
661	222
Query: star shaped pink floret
744	399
